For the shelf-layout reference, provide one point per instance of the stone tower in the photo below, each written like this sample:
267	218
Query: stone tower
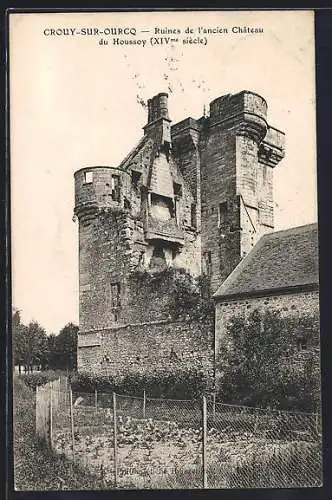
136	218
194	196
231	155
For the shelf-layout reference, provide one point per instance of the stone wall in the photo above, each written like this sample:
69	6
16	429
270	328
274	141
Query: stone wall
289	304
145	347
166	212
104	259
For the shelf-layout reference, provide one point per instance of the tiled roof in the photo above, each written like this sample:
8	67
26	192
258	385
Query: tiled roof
280	260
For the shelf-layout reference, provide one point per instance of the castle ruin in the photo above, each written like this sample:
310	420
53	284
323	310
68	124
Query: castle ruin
196	196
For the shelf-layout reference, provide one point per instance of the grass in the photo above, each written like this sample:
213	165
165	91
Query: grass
294	467
36	467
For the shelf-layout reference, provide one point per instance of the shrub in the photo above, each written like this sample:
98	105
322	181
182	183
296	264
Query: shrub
261	364
33	380
189	298
36	467
189	384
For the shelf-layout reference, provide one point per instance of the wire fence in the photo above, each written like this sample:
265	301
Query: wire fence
147	443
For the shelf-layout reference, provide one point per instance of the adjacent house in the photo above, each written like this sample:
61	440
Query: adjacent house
279	273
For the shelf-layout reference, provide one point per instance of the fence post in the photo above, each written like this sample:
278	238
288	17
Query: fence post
96	401
144	403
51	414
204	442
115	442
59	392
66	390
72	420
37	411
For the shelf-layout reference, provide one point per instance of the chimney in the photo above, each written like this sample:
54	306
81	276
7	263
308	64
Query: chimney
159	123
158	107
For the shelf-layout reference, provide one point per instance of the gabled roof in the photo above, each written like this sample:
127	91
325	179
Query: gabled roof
135	151
280	260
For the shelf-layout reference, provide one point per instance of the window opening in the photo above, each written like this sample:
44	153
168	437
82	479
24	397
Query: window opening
115	297
88	176
135	178
115	188
193	215
177	188
223	210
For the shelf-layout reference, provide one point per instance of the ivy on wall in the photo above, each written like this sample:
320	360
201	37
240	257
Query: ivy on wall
271	360
189	298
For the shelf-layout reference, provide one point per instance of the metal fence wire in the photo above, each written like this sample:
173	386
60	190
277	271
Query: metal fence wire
254	448
147	443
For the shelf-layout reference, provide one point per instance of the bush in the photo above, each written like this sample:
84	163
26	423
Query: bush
189	298
36	467
33	380
262	365
191	384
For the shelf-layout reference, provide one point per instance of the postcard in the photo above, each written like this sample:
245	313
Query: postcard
165	287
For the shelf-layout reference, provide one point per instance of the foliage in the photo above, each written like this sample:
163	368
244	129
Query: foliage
29	342
35	466
63	347
189	298
32	380
262	365
186	384
32	347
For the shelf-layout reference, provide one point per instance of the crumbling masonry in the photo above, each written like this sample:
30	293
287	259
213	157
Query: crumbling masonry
196	196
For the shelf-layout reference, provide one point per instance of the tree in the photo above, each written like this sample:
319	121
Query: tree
263	364
29	343
17	339
65	347
51	351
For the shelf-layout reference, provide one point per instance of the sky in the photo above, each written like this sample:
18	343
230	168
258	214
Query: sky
75	103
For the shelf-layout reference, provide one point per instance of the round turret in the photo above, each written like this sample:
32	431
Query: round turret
99	187
246	109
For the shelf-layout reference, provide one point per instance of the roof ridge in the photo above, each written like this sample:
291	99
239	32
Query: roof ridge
294	229
132	152
293	247
243	262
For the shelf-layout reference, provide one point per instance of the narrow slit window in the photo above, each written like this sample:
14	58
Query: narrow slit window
193	215
208	262
222	212
135	178
223	209
115	188
115	295
88	177
302	344
177	188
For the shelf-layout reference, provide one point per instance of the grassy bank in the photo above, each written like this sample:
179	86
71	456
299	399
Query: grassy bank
35	466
